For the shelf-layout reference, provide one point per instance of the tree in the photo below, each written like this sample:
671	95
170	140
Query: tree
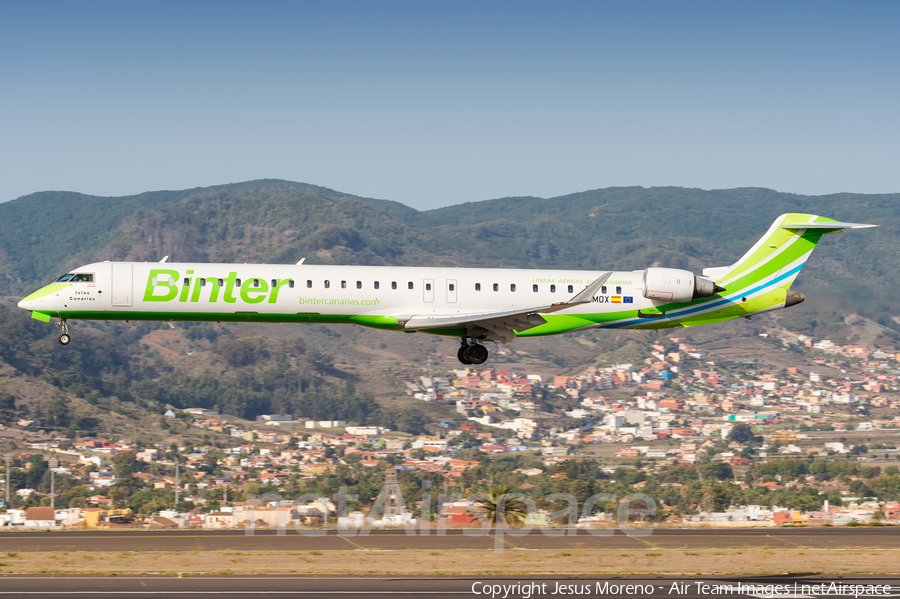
124	464
58	413
501	507
741	433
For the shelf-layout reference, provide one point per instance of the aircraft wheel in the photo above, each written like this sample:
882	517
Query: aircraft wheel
462	355
478	354
65	339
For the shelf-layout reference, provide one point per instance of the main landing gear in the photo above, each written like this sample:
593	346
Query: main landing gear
472	353
63	325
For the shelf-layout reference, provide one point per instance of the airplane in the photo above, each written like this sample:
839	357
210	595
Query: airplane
475	305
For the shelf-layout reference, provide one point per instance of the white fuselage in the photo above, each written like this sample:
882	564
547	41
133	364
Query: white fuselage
173	288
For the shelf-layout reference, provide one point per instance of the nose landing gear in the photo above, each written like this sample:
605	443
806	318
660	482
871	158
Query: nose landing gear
473	353
64	338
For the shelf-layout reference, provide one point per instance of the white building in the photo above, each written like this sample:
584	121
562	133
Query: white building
366	430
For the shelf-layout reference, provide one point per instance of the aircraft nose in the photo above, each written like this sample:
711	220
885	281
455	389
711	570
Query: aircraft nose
34	300
29	303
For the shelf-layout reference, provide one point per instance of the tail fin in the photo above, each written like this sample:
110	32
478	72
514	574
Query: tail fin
776	259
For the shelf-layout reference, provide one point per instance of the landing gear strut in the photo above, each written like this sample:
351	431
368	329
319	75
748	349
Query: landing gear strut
64	338
472	353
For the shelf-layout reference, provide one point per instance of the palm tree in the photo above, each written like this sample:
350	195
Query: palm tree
499	507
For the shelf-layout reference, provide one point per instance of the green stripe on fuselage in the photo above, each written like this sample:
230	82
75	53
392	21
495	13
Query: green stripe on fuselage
46	290
379	322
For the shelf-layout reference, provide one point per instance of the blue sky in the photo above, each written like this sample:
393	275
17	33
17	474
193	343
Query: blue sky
433	104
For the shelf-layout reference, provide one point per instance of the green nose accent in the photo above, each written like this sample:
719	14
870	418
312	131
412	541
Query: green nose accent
45	291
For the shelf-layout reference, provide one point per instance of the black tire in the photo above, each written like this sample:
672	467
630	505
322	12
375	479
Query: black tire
462	355
478	354
65	339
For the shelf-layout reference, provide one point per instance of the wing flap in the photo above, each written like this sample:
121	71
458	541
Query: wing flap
438	322
502	325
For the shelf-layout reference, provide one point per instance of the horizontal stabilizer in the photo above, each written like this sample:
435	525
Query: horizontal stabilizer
826	225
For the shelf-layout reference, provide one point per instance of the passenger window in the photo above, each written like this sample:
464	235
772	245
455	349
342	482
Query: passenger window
512	287
187	282
274	283
534	288
203	282
309	283
496	287
477	286
452	287
237	282
377	285
255	282
343	284
393	284
427	286
603	289
618	290
552	288
571	289
327	283
291	283
410	285
359	284
221	283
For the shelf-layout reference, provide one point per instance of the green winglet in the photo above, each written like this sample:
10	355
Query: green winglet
42	316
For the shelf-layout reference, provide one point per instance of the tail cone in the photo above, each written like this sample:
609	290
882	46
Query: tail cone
793	298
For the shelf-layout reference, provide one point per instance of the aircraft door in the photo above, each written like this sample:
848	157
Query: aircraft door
451	291
122	291
429	290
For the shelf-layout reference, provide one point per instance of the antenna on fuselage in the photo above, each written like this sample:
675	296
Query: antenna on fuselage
301	261
164	259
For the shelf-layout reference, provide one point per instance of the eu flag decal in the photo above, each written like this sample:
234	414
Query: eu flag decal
628	299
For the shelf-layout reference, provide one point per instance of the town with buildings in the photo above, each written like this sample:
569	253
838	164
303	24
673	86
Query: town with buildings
711	442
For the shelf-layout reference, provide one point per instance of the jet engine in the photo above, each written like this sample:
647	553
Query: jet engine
676	285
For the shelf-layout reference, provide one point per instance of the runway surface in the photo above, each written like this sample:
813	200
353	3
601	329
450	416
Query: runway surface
432	588
292	540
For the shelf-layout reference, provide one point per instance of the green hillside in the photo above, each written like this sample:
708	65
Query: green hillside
280	221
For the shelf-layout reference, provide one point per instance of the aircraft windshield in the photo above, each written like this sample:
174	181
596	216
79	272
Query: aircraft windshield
75	278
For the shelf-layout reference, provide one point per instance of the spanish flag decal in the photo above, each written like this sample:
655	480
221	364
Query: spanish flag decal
616	299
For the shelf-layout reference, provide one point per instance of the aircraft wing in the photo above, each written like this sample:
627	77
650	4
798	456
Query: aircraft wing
499	325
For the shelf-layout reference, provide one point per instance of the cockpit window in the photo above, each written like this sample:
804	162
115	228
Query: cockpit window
75	278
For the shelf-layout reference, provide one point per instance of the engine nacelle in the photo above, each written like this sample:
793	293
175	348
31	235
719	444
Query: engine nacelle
676	285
